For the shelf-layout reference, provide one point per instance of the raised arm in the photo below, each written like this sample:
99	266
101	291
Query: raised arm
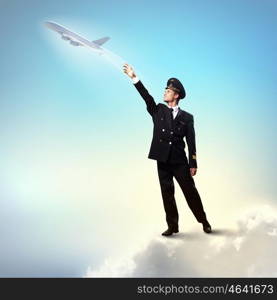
149	100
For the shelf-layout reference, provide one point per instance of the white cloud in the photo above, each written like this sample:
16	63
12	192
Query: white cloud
248	251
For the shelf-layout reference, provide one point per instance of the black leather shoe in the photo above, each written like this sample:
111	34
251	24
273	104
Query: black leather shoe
206	227
170	231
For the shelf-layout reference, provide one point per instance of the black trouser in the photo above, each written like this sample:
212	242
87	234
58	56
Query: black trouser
181	172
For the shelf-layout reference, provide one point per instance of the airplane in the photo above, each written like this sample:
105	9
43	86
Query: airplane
75	39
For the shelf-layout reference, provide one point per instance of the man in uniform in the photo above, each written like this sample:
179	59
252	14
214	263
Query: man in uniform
171	125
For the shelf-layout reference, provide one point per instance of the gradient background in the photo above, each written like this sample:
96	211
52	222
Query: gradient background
76	185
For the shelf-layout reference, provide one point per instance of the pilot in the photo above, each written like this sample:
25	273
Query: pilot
171	125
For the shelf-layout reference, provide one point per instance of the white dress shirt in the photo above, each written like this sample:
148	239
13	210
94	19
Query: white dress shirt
135	80
175	108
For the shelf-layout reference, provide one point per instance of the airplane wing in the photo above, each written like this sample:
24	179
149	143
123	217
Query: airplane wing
101	41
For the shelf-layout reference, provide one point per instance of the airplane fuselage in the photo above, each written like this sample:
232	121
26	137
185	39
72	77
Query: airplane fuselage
73	38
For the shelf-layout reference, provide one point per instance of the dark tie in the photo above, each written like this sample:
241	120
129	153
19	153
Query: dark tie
171	112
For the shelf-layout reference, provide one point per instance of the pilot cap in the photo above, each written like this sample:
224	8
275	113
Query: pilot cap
175	85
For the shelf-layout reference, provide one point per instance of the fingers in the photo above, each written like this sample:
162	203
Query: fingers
126	68
193	171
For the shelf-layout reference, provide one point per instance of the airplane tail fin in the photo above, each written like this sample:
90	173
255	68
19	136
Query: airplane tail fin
101	41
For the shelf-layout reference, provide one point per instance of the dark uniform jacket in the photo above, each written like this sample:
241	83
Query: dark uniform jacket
168	134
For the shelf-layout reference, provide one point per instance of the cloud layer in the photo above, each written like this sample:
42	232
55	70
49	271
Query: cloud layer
247	251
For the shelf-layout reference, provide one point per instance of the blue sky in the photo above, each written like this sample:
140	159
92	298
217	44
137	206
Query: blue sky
67	115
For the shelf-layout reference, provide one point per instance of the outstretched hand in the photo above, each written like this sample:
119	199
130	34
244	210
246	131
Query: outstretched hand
129	70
